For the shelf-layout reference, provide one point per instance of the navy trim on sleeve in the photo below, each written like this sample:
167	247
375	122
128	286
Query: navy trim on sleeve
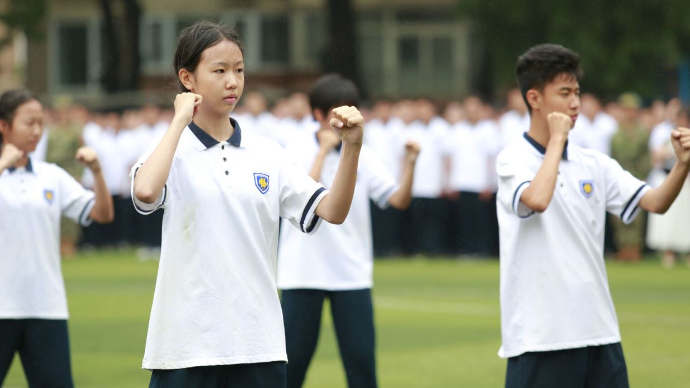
515	195
81	215
312	224
632	199
147	212
306	208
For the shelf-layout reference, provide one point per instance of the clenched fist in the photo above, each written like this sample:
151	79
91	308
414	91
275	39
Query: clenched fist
87	157
559	124
348	123
10	156
412	149
680	138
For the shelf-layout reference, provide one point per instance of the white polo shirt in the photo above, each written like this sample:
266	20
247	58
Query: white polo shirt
472	149
554	288
32	199
338	257
216	301
429	169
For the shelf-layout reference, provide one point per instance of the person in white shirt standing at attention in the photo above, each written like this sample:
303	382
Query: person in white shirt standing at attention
337	263
33	197
559	326
216	317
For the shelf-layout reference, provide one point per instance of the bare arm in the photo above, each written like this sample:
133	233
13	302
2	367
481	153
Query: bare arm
402	198
153	174
538	195
103	211
348	124
328	140
658	200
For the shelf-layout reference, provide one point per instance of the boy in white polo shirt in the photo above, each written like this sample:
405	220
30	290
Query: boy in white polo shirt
558	322
337	263
216	317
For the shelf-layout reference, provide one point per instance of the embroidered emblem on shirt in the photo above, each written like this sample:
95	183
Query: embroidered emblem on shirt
49	195
261	182
587	188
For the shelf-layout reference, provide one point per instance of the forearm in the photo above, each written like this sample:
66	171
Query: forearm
658	200
335	206
103	211
316	168
402	198
153	174
538	195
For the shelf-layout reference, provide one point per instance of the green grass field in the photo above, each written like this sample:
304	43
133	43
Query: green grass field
437	324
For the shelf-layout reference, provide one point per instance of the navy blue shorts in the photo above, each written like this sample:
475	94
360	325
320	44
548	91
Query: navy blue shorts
590	367
259	375
43	347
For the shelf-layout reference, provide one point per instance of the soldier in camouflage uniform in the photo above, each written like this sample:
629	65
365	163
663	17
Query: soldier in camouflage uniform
629	146
64	140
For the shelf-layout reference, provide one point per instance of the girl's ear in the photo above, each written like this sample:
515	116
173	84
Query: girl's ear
187	79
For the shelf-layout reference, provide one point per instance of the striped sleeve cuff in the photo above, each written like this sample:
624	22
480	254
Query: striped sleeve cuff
632	208
310	222
84	216
147	208
520	209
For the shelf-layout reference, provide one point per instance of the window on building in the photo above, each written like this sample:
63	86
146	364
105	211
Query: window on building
72	54
275	39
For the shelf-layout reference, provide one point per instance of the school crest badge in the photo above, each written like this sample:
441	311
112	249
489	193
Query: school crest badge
261	182
587	188
49	195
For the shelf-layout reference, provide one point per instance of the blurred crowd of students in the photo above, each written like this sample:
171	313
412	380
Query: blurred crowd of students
453	211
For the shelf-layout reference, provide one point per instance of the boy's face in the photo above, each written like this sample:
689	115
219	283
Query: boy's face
560	95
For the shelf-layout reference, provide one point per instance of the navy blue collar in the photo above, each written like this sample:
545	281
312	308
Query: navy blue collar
209	141
338	147
542	149
29	167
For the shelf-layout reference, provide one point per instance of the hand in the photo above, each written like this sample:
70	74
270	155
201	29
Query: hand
187	106
327	139
348	123
680	138
10	156
87	157
412	150
559	125
486	195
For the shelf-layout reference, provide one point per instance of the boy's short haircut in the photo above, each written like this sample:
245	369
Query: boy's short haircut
541	64
332	91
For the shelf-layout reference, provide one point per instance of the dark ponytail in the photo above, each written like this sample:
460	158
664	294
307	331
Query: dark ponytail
10	101
195	39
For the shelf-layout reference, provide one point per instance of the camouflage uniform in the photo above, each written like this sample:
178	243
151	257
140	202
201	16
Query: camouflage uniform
63	143
629	146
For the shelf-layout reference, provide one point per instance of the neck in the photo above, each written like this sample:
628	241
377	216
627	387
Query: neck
216	125
539	130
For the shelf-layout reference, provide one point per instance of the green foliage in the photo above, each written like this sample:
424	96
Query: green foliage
624	44
22	15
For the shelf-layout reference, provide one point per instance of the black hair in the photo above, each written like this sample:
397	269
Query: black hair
541	64
195	39
332	91
10	101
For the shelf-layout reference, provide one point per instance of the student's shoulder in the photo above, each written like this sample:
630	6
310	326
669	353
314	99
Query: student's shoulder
516	152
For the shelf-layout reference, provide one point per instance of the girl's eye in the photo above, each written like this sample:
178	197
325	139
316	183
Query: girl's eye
219	71
240	70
